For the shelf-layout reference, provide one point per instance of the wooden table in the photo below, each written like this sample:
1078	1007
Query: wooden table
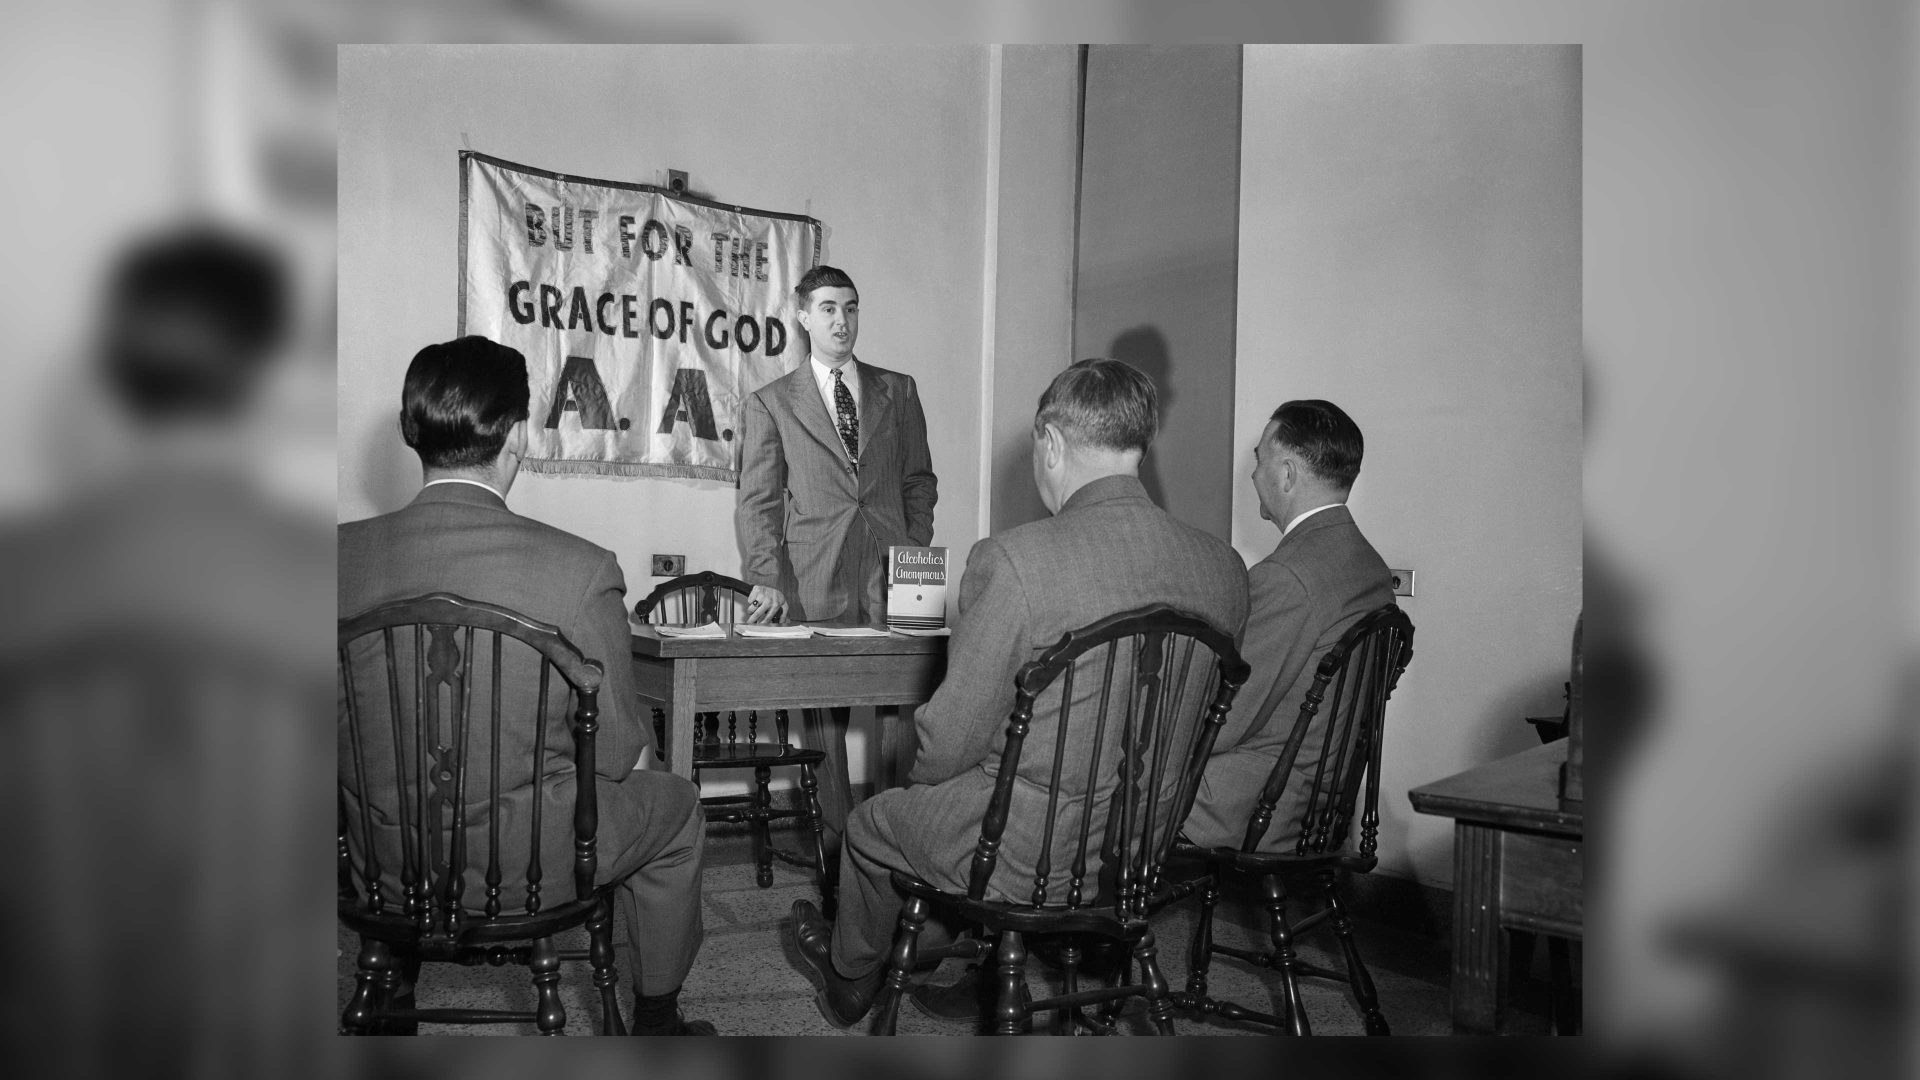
695	675
1517	865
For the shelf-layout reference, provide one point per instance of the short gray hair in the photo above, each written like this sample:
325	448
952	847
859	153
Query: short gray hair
1103	403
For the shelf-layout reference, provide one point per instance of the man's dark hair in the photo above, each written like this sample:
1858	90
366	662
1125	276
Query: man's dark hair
192	316
822	277
1326	439
1103	403
460	400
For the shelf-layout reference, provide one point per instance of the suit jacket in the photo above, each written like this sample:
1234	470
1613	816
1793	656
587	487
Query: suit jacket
1319	581
1109	549
804	510
462	539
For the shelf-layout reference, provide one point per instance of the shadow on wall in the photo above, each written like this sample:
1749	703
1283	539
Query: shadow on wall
1145	347
1016	502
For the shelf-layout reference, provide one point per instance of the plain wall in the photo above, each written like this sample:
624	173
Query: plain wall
1037	156
1410	225
1159	225
886	146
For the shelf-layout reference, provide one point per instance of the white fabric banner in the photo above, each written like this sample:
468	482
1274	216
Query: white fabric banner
646	317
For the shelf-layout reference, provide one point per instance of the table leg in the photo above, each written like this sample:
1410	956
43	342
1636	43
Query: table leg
680	721
1479	953
896	744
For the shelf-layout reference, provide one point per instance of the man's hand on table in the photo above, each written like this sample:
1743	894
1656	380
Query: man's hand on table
766	605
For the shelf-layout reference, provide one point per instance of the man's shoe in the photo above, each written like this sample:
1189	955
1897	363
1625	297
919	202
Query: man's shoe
692	1027
842	1001
961	1001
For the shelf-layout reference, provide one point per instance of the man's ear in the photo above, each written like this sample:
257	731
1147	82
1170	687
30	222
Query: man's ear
517	439
1056	445
1289	473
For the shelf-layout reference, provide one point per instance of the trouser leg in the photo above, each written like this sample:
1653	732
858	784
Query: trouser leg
869	904
660	904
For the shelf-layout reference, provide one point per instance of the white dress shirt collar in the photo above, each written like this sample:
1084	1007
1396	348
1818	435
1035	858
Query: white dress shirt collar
823	378
1305	516
464	480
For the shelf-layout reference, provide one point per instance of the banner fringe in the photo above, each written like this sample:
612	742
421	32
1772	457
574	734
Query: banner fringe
628	470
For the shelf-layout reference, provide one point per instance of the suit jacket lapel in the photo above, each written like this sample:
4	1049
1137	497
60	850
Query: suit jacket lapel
876	404
803	397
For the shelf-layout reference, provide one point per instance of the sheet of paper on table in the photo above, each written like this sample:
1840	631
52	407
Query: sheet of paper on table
704	630
940	631
849	631
764	631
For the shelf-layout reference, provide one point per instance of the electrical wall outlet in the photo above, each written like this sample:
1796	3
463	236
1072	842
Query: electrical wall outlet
1402	581
675	565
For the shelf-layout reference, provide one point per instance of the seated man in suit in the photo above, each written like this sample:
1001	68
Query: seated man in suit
464	411
1106	549
1321	578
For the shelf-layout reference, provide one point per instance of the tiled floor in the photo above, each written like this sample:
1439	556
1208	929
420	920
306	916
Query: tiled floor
744	983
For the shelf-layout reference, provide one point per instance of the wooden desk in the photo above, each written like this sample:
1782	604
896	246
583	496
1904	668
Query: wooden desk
1517	864
695	675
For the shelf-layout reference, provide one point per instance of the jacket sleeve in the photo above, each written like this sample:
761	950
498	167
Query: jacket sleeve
1277	647
957	728
602	633
759	515
918	486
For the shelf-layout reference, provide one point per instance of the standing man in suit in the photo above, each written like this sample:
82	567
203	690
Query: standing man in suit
1321	578
464	411
834	468
1106	549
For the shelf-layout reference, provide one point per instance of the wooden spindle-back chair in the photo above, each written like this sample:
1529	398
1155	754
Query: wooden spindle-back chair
1127	711
435	691
707	597
1343	719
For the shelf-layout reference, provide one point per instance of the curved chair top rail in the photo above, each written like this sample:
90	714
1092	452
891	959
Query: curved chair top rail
1037	674
448	609
704	579
1371	623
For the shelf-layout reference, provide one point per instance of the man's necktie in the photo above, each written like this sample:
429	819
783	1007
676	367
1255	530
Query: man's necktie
849	421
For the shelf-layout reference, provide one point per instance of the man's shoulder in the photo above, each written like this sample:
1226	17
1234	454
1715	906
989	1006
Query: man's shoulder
428	518
1334	551
773	388
887	375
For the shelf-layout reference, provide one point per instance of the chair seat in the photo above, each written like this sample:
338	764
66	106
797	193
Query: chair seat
479	931
1261	862
1095	918
726	755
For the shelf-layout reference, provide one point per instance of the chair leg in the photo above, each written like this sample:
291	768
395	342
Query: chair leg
816	823
606	975
1283	955
1357	976
757	826
1010	1014
1200	952
549	1014
373	964
1159	997
906	944
1067	1022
